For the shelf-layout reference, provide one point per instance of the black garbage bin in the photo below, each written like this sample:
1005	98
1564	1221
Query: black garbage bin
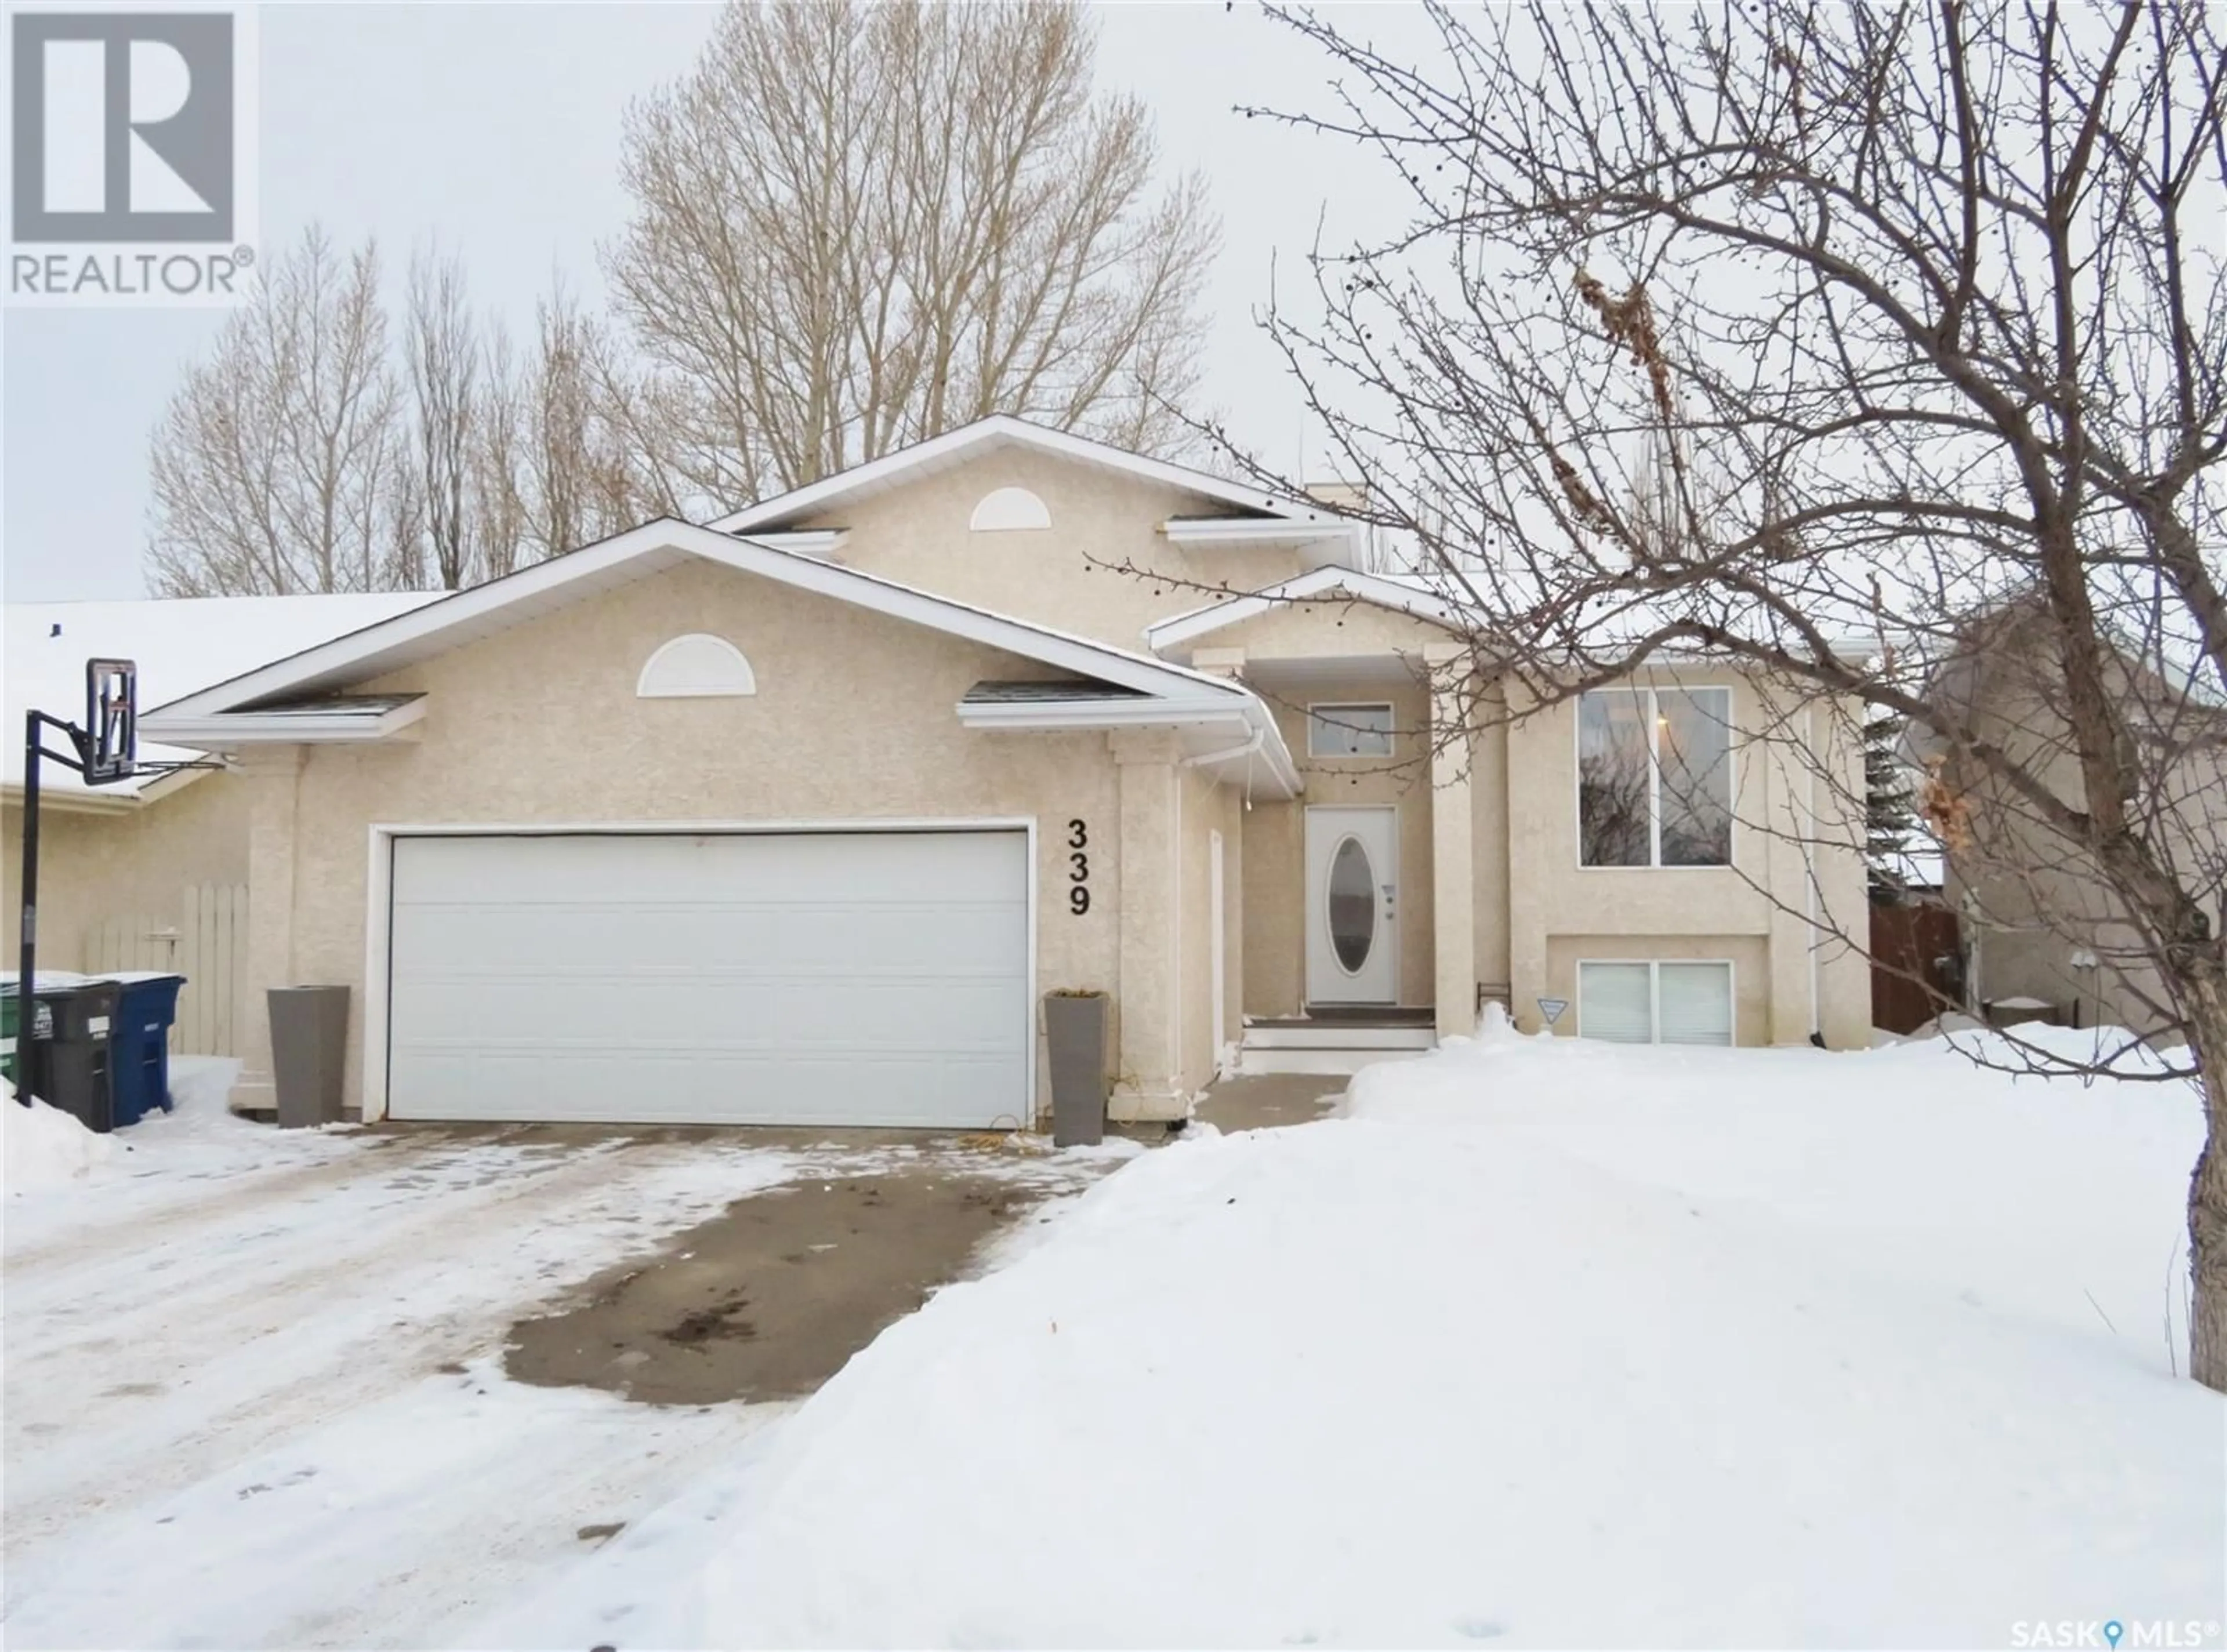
72	1067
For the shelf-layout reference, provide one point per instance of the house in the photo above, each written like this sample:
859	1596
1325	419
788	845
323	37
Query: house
151	872
795	816
2044	932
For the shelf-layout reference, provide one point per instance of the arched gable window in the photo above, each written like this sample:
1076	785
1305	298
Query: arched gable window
695	666
1006	508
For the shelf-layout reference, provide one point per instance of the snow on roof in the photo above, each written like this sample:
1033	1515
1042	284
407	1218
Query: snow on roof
181	644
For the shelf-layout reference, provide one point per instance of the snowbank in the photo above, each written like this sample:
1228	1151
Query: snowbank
1545	1343
200	1086
45	1147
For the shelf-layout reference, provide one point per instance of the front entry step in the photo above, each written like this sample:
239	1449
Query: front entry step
1342	1042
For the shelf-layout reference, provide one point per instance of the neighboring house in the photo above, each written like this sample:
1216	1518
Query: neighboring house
795	816
2043	931
150	873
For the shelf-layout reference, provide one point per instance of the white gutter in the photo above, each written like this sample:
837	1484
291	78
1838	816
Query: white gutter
1237	708
1124	713
1259	737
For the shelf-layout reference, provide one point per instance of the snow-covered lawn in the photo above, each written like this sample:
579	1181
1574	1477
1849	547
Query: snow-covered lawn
1540	1344
1543	1345
254	1389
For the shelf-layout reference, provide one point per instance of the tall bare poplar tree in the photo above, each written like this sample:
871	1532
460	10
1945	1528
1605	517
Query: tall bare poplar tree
444	373
272	466
857	225
1937	293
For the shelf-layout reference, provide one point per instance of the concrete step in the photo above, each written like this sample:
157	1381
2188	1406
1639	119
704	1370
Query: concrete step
1327	1063
1333	1034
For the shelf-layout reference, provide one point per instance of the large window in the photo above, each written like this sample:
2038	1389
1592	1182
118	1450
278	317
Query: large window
1655	1004
1654	777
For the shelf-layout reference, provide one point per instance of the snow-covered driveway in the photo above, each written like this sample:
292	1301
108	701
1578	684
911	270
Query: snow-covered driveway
253	1388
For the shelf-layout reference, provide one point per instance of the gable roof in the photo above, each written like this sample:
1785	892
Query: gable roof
1323	585
252	706
181	644
984	435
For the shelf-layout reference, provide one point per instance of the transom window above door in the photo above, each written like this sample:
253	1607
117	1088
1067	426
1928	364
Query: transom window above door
1363	730
1654	777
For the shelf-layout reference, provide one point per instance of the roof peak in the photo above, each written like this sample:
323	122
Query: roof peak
966	442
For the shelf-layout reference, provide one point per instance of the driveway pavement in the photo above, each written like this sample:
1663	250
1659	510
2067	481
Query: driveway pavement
255	1384
1266	1101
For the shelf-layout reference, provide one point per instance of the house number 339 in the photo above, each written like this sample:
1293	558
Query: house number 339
1078	868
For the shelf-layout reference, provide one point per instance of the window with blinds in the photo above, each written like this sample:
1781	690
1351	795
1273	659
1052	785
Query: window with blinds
1678	1003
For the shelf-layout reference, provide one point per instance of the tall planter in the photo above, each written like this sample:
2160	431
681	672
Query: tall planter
1075	1038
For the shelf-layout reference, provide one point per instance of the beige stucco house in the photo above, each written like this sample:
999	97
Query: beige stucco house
796	815
2043	931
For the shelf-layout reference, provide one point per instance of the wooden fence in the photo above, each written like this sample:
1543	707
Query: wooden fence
205	940
1915	952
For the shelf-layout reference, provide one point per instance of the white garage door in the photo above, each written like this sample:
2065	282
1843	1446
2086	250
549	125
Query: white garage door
836	978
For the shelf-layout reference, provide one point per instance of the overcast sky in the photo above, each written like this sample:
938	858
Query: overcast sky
494	128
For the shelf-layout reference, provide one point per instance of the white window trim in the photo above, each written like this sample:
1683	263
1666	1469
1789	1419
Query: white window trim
1655	990
741	682
1654	784
1391	730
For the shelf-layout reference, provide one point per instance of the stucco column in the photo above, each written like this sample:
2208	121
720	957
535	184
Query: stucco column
272	774
1538	782
1790	845
1147	997
1453	845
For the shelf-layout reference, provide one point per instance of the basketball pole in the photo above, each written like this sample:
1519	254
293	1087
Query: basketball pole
27	1002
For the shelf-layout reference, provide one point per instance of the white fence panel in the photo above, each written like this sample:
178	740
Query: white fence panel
205	940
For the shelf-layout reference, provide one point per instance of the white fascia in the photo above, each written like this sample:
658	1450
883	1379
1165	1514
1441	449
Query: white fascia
1001	428
1322	586
1334	542
1244	711
821	542
283	727
1122	713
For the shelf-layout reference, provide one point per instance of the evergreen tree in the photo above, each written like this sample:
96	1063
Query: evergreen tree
1889	817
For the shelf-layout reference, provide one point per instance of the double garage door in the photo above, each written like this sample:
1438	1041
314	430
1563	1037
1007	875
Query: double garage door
840	977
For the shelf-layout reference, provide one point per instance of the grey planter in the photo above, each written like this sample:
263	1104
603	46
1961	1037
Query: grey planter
309	1053
1075	1038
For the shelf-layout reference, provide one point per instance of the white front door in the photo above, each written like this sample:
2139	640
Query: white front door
1353	909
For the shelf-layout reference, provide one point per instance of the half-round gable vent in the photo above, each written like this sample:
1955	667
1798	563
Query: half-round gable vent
696	666
1009	508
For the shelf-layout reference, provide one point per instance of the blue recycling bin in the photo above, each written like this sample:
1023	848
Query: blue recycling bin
139	1044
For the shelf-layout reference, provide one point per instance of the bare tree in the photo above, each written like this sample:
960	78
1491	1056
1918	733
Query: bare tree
576	475
497	496
1937	291
857	225
444	372
272	464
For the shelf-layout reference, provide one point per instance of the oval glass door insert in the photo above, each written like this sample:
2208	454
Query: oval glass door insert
1352	905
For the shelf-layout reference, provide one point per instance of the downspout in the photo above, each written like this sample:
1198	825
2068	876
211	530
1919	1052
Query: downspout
1809	866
